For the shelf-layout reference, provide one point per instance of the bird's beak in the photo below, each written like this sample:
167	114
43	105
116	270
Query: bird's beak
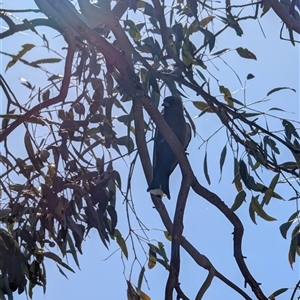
165	104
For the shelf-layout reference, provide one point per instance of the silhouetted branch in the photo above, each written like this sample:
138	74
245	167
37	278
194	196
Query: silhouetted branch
237	236
59	98
284	15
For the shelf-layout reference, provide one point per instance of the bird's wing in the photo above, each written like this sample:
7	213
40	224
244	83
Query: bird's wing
158	140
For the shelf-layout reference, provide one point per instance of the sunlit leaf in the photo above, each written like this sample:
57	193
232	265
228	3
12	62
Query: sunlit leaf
17	57
121	242
152	257
277	293
202	106
206	21
168	235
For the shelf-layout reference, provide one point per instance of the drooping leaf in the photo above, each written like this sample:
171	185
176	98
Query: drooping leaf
144	296
57	259
284	228
131	293
245	53
121	242
289	129
206	169
206	21
221	51
201	105
222	160
209	38
252	214
113	216
141	276
45	61
259	210
279	89
133	30
247	179
73	250
277	293
227	95
168	236
152	257
238	201
293	248
17	57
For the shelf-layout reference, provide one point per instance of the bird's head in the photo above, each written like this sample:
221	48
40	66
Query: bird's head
171	101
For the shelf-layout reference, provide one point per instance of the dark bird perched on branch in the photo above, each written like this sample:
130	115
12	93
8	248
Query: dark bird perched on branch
164	160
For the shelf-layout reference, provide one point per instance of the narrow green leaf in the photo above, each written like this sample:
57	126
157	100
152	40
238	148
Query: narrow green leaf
36	161
238	201
252	214
141	276
29	25
247	179
284	228
222	159
279	89
26	48
293	249
57	259
206	169
113	216
45	61
221	51
121	242
289	130
163	263
259	210
162	252
73	250
206	21
277	293
116	176
201	105
152	257
268	192
60	271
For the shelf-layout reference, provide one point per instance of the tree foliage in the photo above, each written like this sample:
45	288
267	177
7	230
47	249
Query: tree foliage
101	106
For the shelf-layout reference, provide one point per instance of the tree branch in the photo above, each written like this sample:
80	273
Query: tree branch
237	236
283	14
63	90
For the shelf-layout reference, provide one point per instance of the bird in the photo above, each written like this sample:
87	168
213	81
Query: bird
164	160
